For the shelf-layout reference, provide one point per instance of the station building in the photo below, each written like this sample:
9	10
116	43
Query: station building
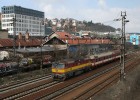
17	19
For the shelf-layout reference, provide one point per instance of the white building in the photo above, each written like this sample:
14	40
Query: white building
25	20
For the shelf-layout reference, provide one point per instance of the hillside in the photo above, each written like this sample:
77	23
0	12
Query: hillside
98	27
72	25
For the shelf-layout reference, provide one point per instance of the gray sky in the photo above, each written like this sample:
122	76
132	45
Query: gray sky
104	11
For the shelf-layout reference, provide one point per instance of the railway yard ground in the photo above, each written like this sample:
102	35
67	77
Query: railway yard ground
99	84
129	89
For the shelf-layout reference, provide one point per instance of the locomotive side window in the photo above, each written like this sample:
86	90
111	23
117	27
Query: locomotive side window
93	60
96	60
60	66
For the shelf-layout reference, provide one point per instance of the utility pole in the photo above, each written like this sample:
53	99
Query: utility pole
123	41
14	35
122	45
41	22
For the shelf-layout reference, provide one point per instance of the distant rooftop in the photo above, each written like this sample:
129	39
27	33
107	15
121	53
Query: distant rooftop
134	33
37	49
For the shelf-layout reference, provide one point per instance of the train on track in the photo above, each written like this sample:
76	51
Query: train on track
8	68
68	68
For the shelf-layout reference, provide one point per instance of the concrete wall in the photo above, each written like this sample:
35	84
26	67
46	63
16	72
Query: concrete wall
3	34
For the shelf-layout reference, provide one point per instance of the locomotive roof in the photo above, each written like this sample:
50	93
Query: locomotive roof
102	54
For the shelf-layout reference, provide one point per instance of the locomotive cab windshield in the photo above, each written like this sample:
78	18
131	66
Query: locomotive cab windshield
58	70
58	65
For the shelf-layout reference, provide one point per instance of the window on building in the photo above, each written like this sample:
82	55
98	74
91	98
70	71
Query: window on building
3	25
11	15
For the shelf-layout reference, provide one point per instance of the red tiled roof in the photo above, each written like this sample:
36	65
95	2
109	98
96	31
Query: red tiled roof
87	41
73	40
30	42
6	42
21	42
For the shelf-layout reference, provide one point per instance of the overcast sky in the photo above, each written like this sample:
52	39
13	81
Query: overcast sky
104	11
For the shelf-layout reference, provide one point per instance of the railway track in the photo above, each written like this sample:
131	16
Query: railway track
21	89
30	91
13	86
92	92
22	81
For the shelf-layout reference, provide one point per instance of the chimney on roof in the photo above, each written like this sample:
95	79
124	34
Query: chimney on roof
27	36
20	36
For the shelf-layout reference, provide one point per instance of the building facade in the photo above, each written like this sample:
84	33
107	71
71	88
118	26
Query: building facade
17	19
0	17
135	39
0	21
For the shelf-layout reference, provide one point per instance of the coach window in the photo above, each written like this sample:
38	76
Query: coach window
96	60
66	65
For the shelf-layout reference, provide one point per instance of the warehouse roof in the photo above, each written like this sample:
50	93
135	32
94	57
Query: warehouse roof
19	42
